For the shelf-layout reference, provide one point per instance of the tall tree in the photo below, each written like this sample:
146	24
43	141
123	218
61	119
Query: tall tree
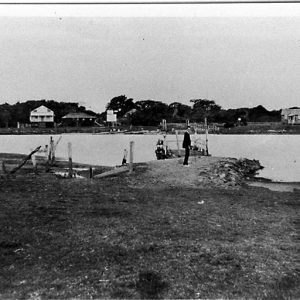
204	108
179	112
149	112
121	104
5	117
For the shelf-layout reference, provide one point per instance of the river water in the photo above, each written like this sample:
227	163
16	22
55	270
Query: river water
279	154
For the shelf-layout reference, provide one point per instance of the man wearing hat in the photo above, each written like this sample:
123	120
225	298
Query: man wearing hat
186	144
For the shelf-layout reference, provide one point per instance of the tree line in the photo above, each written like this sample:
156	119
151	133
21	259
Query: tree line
151	112
143	112
10	115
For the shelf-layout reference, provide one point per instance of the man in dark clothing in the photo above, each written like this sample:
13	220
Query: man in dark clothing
186	144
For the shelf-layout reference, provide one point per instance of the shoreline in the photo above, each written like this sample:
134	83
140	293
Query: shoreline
148	133
250	129
251	175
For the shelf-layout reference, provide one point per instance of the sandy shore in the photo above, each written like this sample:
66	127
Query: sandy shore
165	231
202	171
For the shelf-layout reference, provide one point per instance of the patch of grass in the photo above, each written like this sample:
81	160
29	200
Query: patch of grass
109	239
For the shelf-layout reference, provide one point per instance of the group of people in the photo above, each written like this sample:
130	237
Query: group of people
187	145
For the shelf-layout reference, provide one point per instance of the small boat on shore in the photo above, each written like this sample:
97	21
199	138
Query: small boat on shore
163	151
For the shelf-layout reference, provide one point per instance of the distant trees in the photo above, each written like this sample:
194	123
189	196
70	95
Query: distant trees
260	114
231	116
144	112
178	112
10	115
204	108
5	115
149	113
121	105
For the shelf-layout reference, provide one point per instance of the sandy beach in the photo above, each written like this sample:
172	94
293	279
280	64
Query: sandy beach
165	231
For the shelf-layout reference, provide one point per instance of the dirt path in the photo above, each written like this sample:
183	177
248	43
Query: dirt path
202	172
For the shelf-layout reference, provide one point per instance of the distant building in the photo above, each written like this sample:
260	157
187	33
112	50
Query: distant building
111	116
78	119
42	116
290	115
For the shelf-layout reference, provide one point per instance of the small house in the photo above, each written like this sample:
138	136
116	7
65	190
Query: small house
42	116
78	119
290	115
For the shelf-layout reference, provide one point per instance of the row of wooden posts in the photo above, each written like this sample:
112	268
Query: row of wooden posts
70	159
50	159
178	144
50	154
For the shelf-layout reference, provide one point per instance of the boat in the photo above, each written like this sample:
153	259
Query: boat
163	151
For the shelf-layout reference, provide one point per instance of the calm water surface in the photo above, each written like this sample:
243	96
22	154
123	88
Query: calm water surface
279	154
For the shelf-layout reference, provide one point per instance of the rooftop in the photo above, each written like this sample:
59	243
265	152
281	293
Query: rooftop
79	115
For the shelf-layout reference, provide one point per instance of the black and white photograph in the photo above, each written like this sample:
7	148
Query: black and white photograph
149	150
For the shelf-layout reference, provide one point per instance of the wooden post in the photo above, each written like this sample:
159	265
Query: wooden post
177	141
70	160
164	125
34	164
51	156
53	151
206	135
91	172
131	157
165	144
57	142
47	165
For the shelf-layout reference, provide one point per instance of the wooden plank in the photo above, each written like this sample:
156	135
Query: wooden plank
113	172
24	161
177	142
34	163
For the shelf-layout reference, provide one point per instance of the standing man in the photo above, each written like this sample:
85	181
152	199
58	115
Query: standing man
186	144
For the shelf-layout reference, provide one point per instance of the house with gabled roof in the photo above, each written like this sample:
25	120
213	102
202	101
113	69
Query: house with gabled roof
42	116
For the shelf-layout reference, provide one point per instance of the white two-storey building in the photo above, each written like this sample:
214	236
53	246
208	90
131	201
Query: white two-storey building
42	116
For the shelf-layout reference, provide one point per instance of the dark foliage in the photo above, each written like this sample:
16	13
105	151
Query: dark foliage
121	105
149	112
10	115
204	108
144	113
178	112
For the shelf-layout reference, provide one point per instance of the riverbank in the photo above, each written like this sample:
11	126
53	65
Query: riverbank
165	231
251	128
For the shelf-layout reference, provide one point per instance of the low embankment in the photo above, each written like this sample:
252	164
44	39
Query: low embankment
203	171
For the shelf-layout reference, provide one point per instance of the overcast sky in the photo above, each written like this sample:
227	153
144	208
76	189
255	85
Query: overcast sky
236	61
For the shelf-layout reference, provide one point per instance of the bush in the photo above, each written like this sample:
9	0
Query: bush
229	125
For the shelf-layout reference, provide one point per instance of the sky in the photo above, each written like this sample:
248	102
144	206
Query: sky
237	60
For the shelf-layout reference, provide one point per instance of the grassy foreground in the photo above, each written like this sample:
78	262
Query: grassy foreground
132	237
